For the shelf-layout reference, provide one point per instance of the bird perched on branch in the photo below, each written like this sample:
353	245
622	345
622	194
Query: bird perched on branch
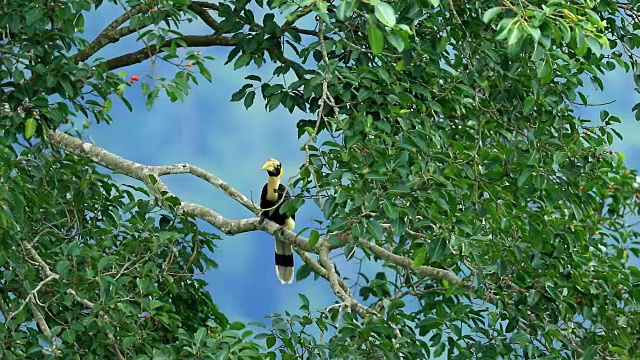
273	195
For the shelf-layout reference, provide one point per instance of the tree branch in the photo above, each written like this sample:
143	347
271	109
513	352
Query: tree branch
341	293
111	34
150	175
204	15
42	324
405	262
145	53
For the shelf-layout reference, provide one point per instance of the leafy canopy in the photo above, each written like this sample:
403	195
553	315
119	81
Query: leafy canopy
442	140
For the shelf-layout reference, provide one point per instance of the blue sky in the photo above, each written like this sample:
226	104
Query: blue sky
222	137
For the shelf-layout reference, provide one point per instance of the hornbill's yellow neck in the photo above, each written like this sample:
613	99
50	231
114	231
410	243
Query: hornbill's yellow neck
275	172
273	183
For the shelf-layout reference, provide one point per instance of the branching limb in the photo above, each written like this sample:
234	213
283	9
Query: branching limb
112	34
145	53
231	227
407	263
32	296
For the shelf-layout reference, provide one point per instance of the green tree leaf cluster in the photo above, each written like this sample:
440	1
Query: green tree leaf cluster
442	142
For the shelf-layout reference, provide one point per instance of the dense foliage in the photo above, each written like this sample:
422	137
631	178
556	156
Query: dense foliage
455	156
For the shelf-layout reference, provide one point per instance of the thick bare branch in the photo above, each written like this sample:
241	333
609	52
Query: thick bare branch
231	227
145	53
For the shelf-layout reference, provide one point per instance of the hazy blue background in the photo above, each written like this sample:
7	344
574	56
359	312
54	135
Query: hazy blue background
209	131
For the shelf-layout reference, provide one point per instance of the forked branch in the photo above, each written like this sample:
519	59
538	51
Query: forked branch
325	268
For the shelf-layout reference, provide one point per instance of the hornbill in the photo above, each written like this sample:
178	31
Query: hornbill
271	199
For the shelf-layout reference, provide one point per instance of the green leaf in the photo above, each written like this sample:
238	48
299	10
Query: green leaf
589	352
390	209
504	28
559	158
535	33
594	45
248	99
69	336
79	23
304	299
33	14
376	230
396	41
242	61
105	261
518	337
303	272
384	12
420	256
502	267
374	176
581	44
200	335
270	341
376	38
62	267
154	304
314	236
437	248
491	13
237	325
328	208
523	176
30	127
515	36
346	8
128	341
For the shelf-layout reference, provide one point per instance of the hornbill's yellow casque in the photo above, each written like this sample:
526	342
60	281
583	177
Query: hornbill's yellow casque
271	200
